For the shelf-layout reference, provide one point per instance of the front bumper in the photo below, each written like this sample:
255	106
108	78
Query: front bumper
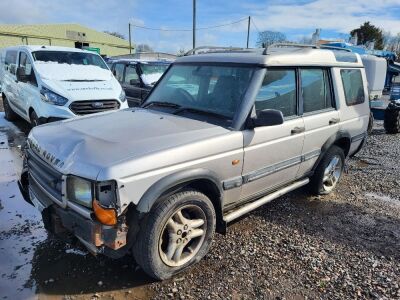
67	223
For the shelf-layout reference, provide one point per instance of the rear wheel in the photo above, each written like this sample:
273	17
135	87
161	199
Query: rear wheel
392	120
9	114
176	233
328	172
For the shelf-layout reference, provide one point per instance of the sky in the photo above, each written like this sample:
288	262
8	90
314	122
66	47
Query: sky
295	18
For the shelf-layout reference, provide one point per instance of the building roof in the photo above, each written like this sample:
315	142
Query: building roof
286	56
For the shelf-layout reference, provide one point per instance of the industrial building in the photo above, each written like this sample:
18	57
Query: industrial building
68	35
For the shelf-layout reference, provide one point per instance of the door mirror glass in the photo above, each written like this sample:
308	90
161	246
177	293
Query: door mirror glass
267	117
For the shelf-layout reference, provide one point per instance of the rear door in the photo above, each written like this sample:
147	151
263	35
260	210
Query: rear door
321	118
272	155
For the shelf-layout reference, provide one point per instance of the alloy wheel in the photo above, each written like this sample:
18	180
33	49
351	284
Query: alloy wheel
332	173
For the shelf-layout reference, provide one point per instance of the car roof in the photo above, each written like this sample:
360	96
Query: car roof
278	56
32	48
136	61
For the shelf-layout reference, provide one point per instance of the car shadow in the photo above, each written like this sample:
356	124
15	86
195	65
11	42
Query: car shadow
58	269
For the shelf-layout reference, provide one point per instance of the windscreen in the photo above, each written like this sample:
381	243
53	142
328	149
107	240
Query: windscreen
71	58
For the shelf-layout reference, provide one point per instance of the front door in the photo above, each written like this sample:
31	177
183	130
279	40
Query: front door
272	155
131	85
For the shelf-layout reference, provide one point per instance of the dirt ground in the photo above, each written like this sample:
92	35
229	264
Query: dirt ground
342	246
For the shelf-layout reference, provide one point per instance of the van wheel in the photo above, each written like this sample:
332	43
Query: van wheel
34	119
175	234
9	114
328	172
392	120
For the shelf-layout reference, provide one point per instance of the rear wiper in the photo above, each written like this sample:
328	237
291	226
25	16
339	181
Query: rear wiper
200	111
161	104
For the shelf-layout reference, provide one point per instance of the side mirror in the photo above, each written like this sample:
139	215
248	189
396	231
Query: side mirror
21	76
133	82
267	117
114	73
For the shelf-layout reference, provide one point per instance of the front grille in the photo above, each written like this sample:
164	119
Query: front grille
93	106
43	179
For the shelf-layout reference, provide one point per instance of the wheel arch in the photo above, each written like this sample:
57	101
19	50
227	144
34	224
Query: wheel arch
341	139
203	180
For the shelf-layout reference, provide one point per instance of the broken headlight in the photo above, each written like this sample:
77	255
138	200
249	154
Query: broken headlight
80	191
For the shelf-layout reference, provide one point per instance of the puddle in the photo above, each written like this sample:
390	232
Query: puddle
34	265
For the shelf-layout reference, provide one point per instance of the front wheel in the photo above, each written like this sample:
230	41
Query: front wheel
176	233
328	172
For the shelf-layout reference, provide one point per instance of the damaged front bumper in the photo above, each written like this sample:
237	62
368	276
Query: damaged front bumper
67	223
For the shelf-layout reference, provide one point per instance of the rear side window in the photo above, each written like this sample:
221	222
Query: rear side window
315	88
353	86
278	91
131	77
11	61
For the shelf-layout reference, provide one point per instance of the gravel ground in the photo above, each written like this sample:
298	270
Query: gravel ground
342	246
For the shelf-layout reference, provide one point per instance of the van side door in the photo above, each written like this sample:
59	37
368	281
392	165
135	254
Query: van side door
272	154
9	78
320	114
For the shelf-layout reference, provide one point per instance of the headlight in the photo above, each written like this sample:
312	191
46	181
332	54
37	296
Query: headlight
80	191
122	96
52	98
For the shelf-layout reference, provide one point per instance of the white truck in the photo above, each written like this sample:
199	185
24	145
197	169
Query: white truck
46	83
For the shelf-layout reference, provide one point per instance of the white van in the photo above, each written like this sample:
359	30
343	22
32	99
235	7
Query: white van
46	83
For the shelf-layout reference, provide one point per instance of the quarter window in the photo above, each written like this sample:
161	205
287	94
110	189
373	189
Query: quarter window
353	86
119	72
315	90
278	91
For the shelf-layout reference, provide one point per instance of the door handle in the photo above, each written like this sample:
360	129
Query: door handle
334	121
297	130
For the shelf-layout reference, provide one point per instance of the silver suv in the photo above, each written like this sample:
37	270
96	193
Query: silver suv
222	133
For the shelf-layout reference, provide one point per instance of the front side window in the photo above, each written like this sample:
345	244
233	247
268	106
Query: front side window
131	76
72	58
315	88
353	86
187	88
26	65
278	91
119	72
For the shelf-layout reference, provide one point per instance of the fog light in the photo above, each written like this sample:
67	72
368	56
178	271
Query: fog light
107	216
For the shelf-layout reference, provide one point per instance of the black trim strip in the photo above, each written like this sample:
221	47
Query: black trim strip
260	173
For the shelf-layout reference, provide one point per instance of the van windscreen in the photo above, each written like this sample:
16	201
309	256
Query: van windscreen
72	58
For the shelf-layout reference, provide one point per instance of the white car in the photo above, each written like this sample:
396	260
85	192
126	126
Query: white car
44	83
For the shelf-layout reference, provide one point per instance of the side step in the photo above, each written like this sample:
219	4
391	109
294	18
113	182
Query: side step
256	204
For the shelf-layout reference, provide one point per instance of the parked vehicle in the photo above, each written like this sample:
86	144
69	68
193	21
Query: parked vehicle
44	83
138	77
221	134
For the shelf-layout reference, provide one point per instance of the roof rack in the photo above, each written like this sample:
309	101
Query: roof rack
216	49
294	45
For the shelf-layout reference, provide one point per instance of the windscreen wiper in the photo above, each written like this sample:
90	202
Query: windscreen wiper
200	111
161	104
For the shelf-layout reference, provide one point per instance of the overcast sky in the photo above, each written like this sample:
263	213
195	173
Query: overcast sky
295	18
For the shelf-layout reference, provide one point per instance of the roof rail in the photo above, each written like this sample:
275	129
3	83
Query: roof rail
294	45
214	49
327	46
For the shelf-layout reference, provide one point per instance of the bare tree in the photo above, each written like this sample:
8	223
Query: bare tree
144	48
181	52
267	38
116	34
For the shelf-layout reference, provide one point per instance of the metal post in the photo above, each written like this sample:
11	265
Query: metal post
248	32
130	39
194	24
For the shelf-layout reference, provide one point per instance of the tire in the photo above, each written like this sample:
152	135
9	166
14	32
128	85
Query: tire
392	121
34	119
162	229
9	114
328	173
